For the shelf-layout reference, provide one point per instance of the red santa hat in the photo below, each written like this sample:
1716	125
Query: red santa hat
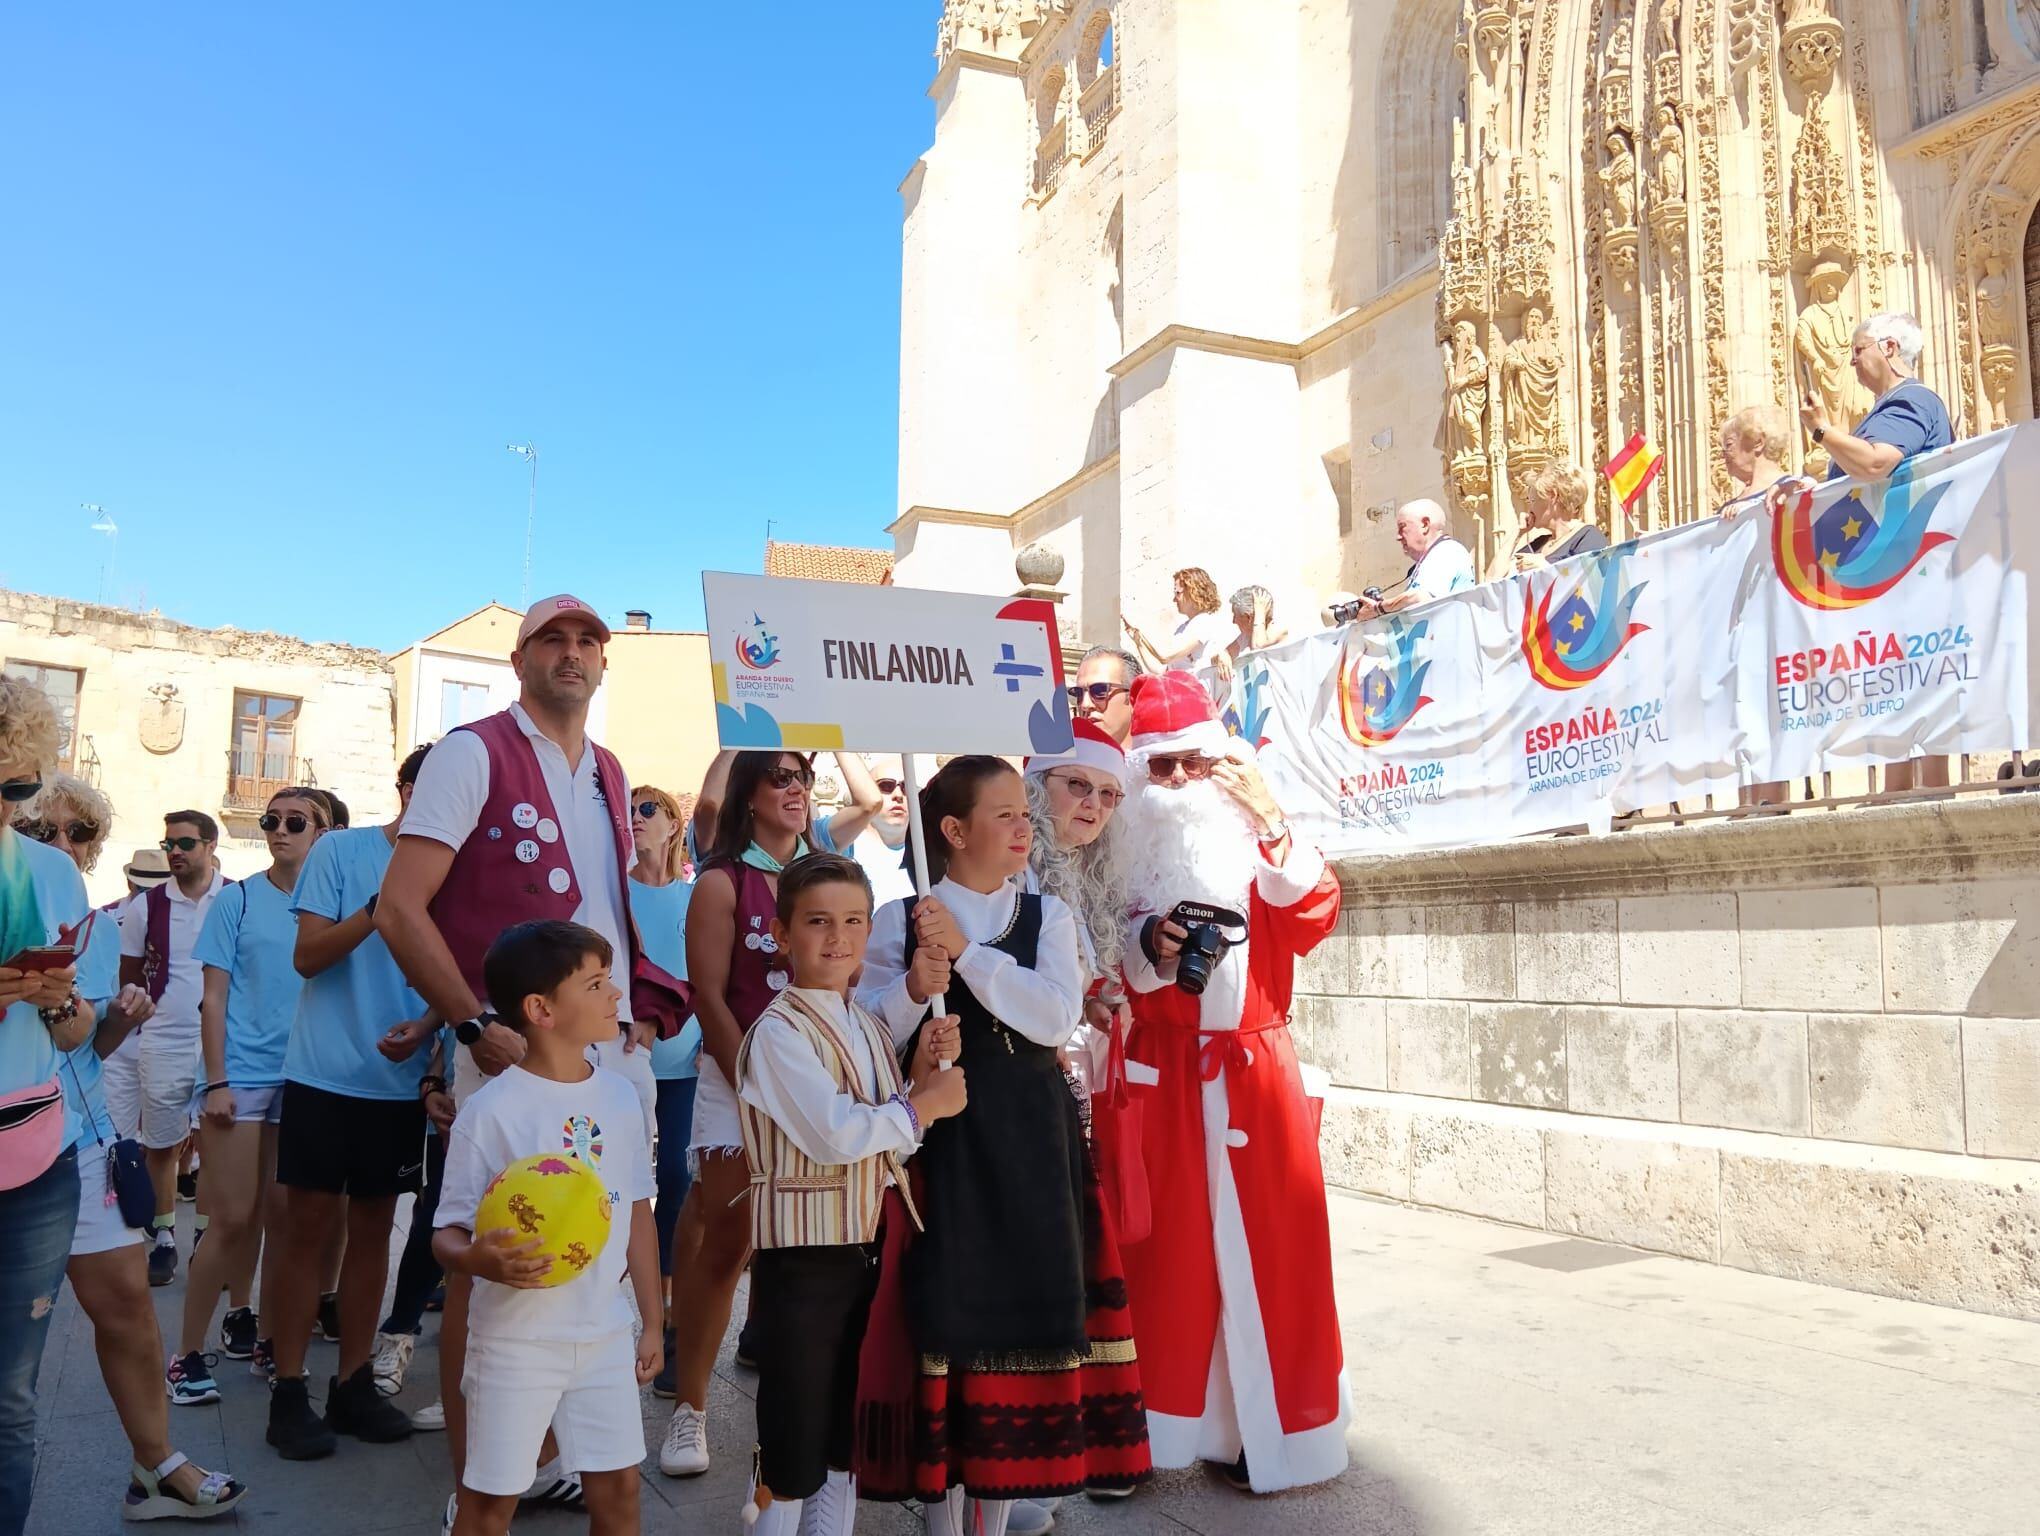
1092	750
1173	713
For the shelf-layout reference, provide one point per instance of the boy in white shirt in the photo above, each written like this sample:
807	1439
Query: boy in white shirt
559	1356
827	1125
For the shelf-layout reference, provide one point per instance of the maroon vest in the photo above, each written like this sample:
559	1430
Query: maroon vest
489	887
753	957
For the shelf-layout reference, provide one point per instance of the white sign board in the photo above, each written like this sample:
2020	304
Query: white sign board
809	665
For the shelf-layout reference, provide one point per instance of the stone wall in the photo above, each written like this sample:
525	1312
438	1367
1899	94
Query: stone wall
1804	1046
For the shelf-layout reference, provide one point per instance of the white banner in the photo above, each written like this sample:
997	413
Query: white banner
1864	624
808	665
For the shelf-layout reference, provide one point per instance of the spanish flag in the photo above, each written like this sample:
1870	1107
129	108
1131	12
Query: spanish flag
1633	468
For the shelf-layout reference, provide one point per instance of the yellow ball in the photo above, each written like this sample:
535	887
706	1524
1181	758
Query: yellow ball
556	1198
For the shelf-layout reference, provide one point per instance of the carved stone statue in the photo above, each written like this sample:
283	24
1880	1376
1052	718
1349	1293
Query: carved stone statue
1996	317
1466	375
1821	342
1530	369
1671	158
1618	182
1668	27
1807	10
1618	44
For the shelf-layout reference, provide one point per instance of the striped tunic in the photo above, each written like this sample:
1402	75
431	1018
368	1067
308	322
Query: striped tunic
803	1200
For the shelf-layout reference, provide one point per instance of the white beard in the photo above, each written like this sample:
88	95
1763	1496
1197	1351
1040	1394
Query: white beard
1188	843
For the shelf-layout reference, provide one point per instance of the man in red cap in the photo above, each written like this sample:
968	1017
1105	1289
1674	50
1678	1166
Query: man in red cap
1231	1289
517	816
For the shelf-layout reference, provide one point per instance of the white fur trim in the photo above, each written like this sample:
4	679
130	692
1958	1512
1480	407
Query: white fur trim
1206	736
1286	884
1085	752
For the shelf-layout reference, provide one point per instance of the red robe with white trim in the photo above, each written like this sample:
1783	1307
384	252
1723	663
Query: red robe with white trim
1233	1308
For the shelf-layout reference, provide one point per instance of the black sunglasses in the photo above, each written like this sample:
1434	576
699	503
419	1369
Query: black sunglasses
887	786
1099	692
46	831
649	808
180	844
14	791
293	823
782	776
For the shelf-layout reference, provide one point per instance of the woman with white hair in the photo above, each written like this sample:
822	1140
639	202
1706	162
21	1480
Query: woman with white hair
1907	419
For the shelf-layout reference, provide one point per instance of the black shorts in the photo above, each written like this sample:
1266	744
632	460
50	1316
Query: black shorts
371	1148
811	1305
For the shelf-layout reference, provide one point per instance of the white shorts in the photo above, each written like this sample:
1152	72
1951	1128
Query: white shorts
516	1388
715	1112
120	1077
262	1106
169	1078
100	1229
634	1067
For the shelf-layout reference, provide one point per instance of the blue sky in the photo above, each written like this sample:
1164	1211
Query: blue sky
278	283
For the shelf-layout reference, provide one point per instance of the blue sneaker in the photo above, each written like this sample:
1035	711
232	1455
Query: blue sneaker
189	1381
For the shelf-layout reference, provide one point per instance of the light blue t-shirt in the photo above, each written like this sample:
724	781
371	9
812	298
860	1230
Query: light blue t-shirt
28	870
661	915
251	934
98	984
344	1010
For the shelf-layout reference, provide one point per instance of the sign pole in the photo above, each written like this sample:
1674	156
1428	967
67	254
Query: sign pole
917	840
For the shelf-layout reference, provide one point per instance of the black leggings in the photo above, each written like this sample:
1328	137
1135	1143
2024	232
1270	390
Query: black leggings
418	1273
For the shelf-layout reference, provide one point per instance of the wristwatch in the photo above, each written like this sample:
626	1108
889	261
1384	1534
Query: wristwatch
1819	435
369	908
1275	834
468	1031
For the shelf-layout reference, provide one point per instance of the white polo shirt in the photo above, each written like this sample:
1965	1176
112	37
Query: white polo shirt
1447	566
453	786
177	1009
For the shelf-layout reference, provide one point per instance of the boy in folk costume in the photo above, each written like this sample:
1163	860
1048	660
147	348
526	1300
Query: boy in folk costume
827	1125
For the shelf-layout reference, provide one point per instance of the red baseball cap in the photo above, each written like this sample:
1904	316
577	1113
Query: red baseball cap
549	610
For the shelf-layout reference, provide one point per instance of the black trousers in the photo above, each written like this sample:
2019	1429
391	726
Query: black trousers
811	1305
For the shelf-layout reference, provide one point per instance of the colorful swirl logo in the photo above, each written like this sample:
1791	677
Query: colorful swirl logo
1850	554
1376	704
1570	648
757	648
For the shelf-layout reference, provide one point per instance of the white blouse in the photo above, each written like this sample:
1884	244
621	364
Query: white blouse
786	1081
1045	1004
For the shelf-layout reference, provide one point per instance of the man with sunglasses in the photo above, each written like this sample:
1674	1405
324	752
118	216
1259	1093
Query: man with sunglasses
880	848
1103	691
158	935
1241	1231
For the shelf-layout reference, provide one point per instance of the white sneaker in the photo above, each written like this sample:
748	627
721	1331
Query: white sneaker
1031	1517
430	1419
392	1360
685	1453
452	1509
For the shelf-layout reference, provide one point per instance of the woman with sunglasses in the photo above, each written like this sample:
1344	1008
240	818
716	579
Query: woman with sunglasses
761	824
659	894
108	1268
42	897
249	1003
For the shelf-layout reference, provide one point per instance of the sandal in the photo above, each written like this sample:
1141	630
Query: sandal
148	1499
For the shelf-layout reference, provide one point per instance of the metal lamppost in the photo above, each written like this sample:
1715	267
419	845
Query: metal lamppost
103	523
529	453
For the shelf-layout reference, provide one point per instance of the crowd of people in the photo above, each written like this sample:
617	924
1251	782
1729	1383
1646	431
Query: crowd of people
1022	1166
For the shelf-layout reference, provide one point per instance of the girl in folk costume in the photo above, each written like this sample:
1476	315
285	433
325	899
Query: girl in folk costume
735	966
827	1125
1023	1391
1232	1288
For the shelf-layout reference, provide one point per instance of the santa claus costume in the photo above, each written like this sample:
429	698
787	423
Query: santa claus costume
1231	1288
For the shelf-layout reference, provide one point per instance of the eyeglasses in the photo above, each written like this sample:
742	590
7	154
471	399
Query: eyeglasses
1162	769
887	786
179	844
1099	693
1084	789
293	823
782	776
14	791
649	808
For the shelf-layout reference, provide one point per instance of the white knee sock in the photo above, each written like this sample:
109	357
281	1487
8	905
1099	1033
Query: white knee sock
945	1516
987	1517
832	1509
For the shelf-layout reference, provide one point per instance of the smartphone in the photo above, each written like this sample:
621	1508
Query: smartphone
44	957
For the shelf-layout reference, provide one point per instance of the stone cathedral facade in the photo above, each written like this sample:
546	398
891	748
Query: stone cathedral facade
1222	283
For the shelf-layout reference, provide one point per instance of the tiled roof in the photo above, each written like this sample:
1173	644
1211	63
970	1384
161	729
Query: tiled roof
828	562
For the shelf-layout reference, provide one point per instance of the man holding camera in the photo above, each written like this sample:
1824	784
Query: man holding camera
1231	1289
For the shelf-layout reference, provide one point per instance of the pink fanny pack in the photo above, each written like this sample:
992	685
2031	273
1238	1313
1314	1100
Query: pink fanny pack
31	1132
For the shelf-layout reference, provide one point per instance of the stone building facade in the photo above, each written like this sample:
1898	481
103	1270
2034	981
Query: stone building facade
1223	284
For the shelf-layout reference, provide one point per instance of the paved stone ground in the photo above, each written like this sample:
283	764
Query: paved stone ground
1503	1383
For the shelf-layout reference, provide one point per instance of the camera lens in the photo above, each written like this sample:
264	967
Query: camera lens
1193	966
